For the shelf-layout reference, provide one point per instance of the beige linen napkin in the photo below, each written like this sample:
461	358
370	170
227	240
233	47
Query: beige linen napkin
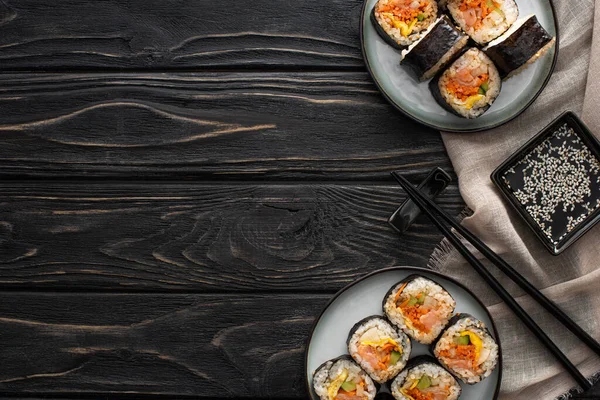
571	279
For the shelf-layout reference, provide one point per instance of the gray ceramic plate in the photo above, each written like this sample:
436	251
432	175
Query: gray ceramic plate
415	100
364	297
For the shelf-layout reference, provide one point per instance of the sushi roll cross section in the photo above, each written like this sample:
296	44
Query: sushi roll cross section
424	379
467	349
438	46
342	379
401	22
420	307
379	348
469	86
523	44
483	20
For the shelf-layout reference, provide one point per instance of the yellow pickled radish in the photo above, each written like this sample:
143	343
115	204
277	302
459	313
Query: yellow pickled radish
475	341
337	383
405	29
380	343
471	100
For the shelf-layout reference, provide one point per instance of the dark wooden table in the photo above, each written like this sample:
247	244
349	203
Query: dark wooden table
184	186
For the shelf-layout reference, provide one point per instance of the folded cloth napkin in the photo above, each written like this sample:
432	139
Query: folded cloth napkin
572	279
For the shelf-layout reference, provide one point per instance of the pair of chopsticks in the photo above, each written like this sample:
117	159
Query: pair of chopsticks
437	215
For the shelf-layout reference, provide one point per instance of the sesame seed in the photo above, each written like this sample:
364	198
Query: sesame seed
557	183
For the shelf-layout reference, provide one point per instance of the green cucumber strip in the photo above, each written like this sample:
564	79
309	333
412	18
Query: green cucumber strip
412	301
424	382
462	340
395	357
348	386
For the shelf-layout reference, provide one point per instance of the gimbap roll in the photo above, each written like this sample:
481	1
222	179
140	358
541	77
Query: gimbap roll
467	349
519	47
341	378
434	50
483	20
423	378
469	86
420	307
401	22
379	348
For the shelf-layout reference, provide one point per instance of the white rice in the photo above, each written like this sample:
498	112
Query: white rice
447	340
445	304
439	376
494	25
327	373
374	329
418	29
472	59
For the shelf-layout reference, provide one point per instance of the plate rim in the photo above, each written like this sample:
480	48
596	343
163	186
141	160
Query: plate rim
409	269
471	130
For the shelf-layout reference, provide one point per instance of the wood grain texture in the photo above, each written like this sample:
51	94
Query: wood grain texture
190	236
74	34
208	126
202	345
227	346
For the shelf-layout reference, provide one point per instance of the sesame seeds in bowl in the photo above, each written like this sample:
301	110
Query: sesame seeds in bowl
554	182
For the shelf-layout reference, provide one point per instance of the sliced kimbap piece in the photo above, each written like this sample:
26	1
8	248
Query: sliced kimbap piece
424	378
379	348
434	50
483	20
520	46
341	378
420	307
401	22
467	349
469	86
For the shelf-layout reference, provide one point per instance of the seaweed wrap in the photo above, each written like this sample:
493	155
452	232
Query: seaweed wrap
438	46
467	349
401	22
420	307
424	378
341	378
469	86
524	43
379	348
483	20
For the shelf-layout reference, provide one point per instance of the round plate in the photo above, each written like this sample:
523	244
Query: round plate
364	297
415	100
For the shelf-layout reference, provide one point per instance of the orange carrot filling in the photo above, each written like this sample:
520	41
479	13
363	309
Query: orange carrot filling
402	10
415	313
467	352
485	7
462	91
418	395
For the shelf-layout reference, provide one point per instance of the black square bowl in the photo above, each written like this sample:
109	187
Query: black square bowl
553	181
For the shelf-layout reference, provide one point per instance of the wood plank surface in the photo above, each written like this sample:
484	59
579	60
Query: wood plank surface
75	34
208	126
226	346
199	237
202	345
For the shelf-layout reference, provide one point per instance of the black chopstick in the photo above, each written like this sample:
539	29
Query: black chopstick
431	210
523	283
